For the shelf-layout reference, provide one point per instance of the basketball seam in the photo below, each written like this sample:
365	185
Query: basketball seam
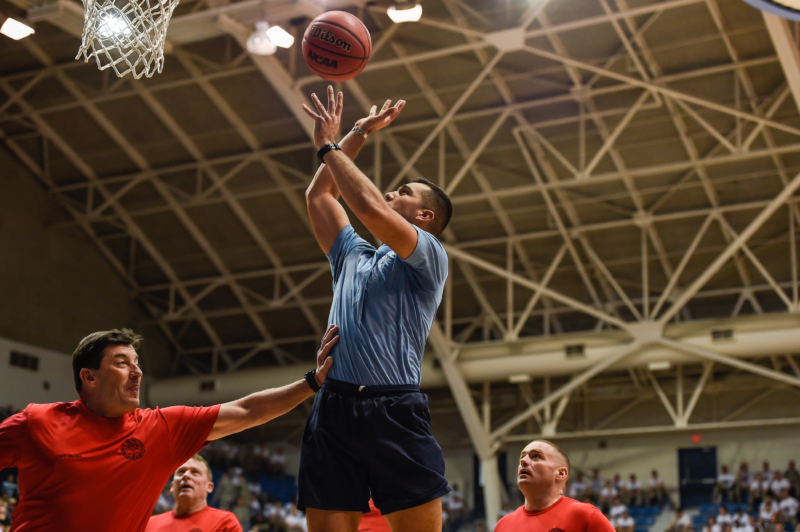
334	53
348	31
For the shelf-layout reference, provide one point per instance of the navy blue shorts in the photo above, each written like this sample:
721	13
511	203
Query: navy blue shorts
375	442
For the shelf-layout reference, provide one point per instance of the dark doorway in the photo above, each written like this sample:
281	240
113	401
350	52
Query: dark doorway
697	473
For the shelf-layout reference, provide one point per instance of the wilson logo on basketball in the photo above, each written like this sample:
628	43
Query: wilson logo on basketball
132	449
327	36
324	61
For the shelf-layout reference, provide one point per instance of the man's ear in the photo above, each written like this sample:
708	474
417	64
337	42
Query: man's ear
210	487
562	473
87	378
426	215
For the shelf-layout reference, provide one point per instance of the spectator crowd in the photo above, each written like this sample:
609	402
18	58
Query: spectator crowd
747	501
9	495
616	496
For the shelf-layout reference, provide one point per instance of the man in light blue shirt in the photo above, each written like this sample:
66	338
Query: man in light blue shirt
368	434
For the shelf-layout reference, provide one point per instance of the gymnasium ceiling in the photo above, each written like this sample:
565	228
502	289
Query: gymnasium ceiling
612	151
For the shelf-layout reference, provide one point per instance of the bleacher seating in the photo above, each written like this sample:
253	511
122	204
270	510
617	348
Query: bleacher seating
644	516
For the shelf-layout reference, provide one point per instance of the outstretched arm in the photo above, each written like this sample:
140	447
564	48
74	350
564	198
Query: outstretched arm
328	217
361	195
258	408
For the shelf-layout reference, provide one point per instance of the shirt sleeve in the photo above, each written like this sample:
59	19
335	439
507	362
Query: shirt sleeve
599	523
13	437
346	241
189	428
428	262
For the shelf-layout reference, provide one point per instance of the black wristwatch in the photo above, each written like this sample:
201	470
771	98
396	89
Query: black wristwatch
324	150
311	379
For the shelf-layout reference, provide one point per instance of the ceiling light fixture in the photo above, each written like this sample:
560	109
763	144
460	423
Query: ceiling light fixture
280	37
110	26
260	43
404	12
15	29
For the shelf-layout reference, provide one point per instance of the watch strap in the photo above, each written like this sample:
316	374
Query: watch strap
311	379
325	149
361	132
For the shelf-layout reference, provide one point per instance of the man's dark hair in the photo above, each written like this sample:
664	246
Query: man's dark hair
89	352
438	201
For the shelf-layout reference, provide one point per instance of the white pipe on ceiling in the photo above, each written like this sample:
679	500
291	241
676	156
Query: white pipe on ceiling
498	361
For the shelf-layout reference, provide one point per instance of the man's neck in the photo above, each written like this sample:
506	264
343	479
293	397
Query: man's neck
536	502
182	509
97	407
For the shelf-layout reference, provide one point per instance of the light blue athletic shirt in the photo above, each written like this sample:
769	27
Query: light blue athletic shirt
384	307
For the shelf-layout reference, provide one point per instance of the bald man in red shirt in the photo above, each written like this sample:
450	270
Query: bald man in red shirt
542	473
99	463
191	485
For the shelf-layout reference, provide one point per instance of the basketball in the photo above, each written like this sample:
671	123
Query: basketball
337	46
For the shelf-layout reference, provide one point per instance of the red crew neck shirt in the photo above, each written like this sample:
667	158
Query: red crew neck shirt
79	471
374	521
206	520
565	515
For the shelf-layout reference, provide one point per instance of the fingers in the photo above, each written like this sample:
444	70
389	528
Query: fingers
331	330
322	354
326	366
309	112
373	111
386	105
331	101
318	105
339	104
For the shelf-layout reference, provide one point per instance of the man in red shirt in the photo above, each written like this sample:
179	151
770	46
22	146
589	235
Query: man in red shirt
190	487
541	476
99	463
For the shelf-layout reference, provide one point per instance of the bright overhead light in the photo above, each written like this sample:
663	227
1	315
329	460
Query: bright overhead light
259	42
112	26
404	12
16	30
280	37
519	378
659	365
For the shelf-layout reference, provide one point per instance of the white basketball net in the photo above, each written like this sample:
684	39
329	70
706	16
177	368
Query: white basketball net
127	36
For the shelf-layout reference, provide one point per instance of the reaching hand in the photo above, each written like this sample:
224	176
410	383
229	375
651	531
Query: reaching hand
376	121
326	123
324	362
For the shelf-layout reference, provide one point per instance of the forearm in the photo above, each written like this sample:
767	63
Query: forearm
358	191
323	182
268	404
258	408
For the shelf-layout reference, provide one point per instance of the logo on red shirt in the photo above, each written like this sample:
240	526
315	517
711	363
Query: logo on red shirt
132	449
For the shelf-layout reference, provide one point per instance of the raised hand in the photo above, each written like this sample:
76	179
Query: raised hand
324	361
375	121
326	121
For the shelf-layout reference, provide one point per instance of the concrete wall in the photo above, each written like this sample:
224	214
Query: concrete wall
55	286
51	383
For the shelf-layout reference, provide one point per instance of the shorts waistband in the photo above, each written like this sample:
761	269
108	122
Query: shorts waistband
348	388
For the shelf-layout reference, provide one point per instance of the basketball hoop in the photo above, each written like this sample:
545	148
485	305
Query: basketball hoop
126	35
